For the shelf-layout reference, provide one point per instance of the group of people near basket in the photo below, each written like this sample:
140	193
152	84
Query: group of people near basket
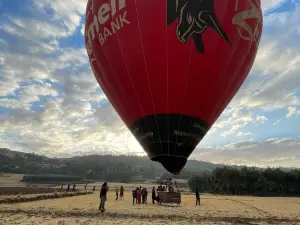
139	195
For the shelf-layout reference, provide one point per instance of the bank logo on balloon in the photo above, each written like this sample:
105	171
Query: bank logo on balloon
195	17
115	12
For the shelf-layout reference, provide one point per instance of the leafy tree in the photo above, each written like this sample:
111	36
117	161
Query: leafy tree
248	181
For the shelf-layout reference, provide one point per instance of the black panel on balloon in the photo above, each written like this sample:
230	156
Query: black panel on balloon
169	138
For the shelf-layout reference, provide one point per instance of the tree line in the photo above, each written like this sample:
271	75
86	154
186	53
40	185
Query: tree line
248	181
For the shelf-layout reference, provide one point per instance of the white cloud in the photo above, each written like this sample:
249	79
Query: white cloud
241	134
66	129
292	111
28	95
82	29
231	122
274	80
261	119
33	29
271	4
68	12
273	152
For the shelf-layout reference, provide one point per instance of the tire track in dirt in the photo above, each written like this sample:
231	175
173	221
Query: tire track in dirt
252	207
108	215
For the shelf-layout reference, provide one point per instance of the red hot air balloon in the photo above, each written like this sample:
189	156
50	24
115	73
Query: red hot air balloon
170	67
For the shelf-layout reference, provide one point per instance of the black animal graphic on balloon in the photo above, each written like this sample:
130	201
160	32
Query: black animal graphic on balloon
195	17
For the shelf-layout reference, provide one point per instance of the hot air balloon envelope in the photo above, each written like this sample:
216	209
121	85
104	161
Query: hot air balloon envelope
170	67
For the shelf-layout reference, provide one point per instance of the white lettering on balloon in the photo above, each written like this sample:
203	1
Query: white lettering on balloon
101	28
245	31
187	134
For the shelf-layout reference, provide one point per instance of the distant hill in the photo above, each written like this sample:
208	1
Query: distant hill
108	167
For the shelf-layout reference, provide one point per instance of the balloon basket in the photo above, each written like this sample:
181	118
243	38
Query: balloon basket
172	199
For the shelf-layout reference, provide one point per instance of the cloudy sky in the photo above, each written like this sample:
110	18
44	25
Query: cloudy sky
50	102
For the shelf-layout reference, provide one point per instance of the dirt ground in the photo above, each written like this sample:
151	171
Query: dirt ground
213	210
11	180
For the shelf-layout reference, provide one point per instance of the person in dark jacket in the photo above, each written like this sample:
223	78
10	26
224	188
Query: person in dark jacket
133	196
197	197
117	194
122	192
139	196
136	195
143	195
103	196
153	195
146	195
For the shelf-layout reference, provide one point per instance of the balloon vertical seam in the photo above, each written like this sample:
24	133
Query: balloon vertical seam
147	73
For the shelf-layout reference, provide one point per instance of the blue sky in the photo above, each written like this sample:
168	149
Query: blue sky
50	103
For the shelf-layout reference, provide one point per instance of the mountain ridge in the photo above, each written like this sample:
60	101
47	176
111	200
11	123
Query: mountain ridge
95	166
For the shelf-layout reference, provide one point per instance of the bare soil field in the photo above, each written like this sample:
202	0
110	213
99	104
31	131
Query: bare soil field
223	210
11	180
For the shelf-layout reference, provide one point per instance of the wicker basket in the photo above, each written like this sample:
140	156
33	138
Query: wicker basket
169	197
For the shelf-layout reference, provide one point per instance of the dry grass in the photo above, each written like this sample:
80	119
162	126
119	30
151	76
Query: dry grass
49	220
213	210
24	198
11	180
20	195
221	210
26	190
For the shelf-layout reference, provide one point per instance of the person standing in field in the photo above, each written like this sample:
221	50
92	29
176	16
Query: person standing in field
139	195
122	192
143	195
197	197
153	195
133	196
103	196
85	186
74	187
117	194
94	188
136	195
146	195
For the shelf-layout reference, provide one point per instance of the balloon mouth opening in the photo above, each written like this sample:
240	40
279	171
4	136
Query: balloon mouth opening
173	164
